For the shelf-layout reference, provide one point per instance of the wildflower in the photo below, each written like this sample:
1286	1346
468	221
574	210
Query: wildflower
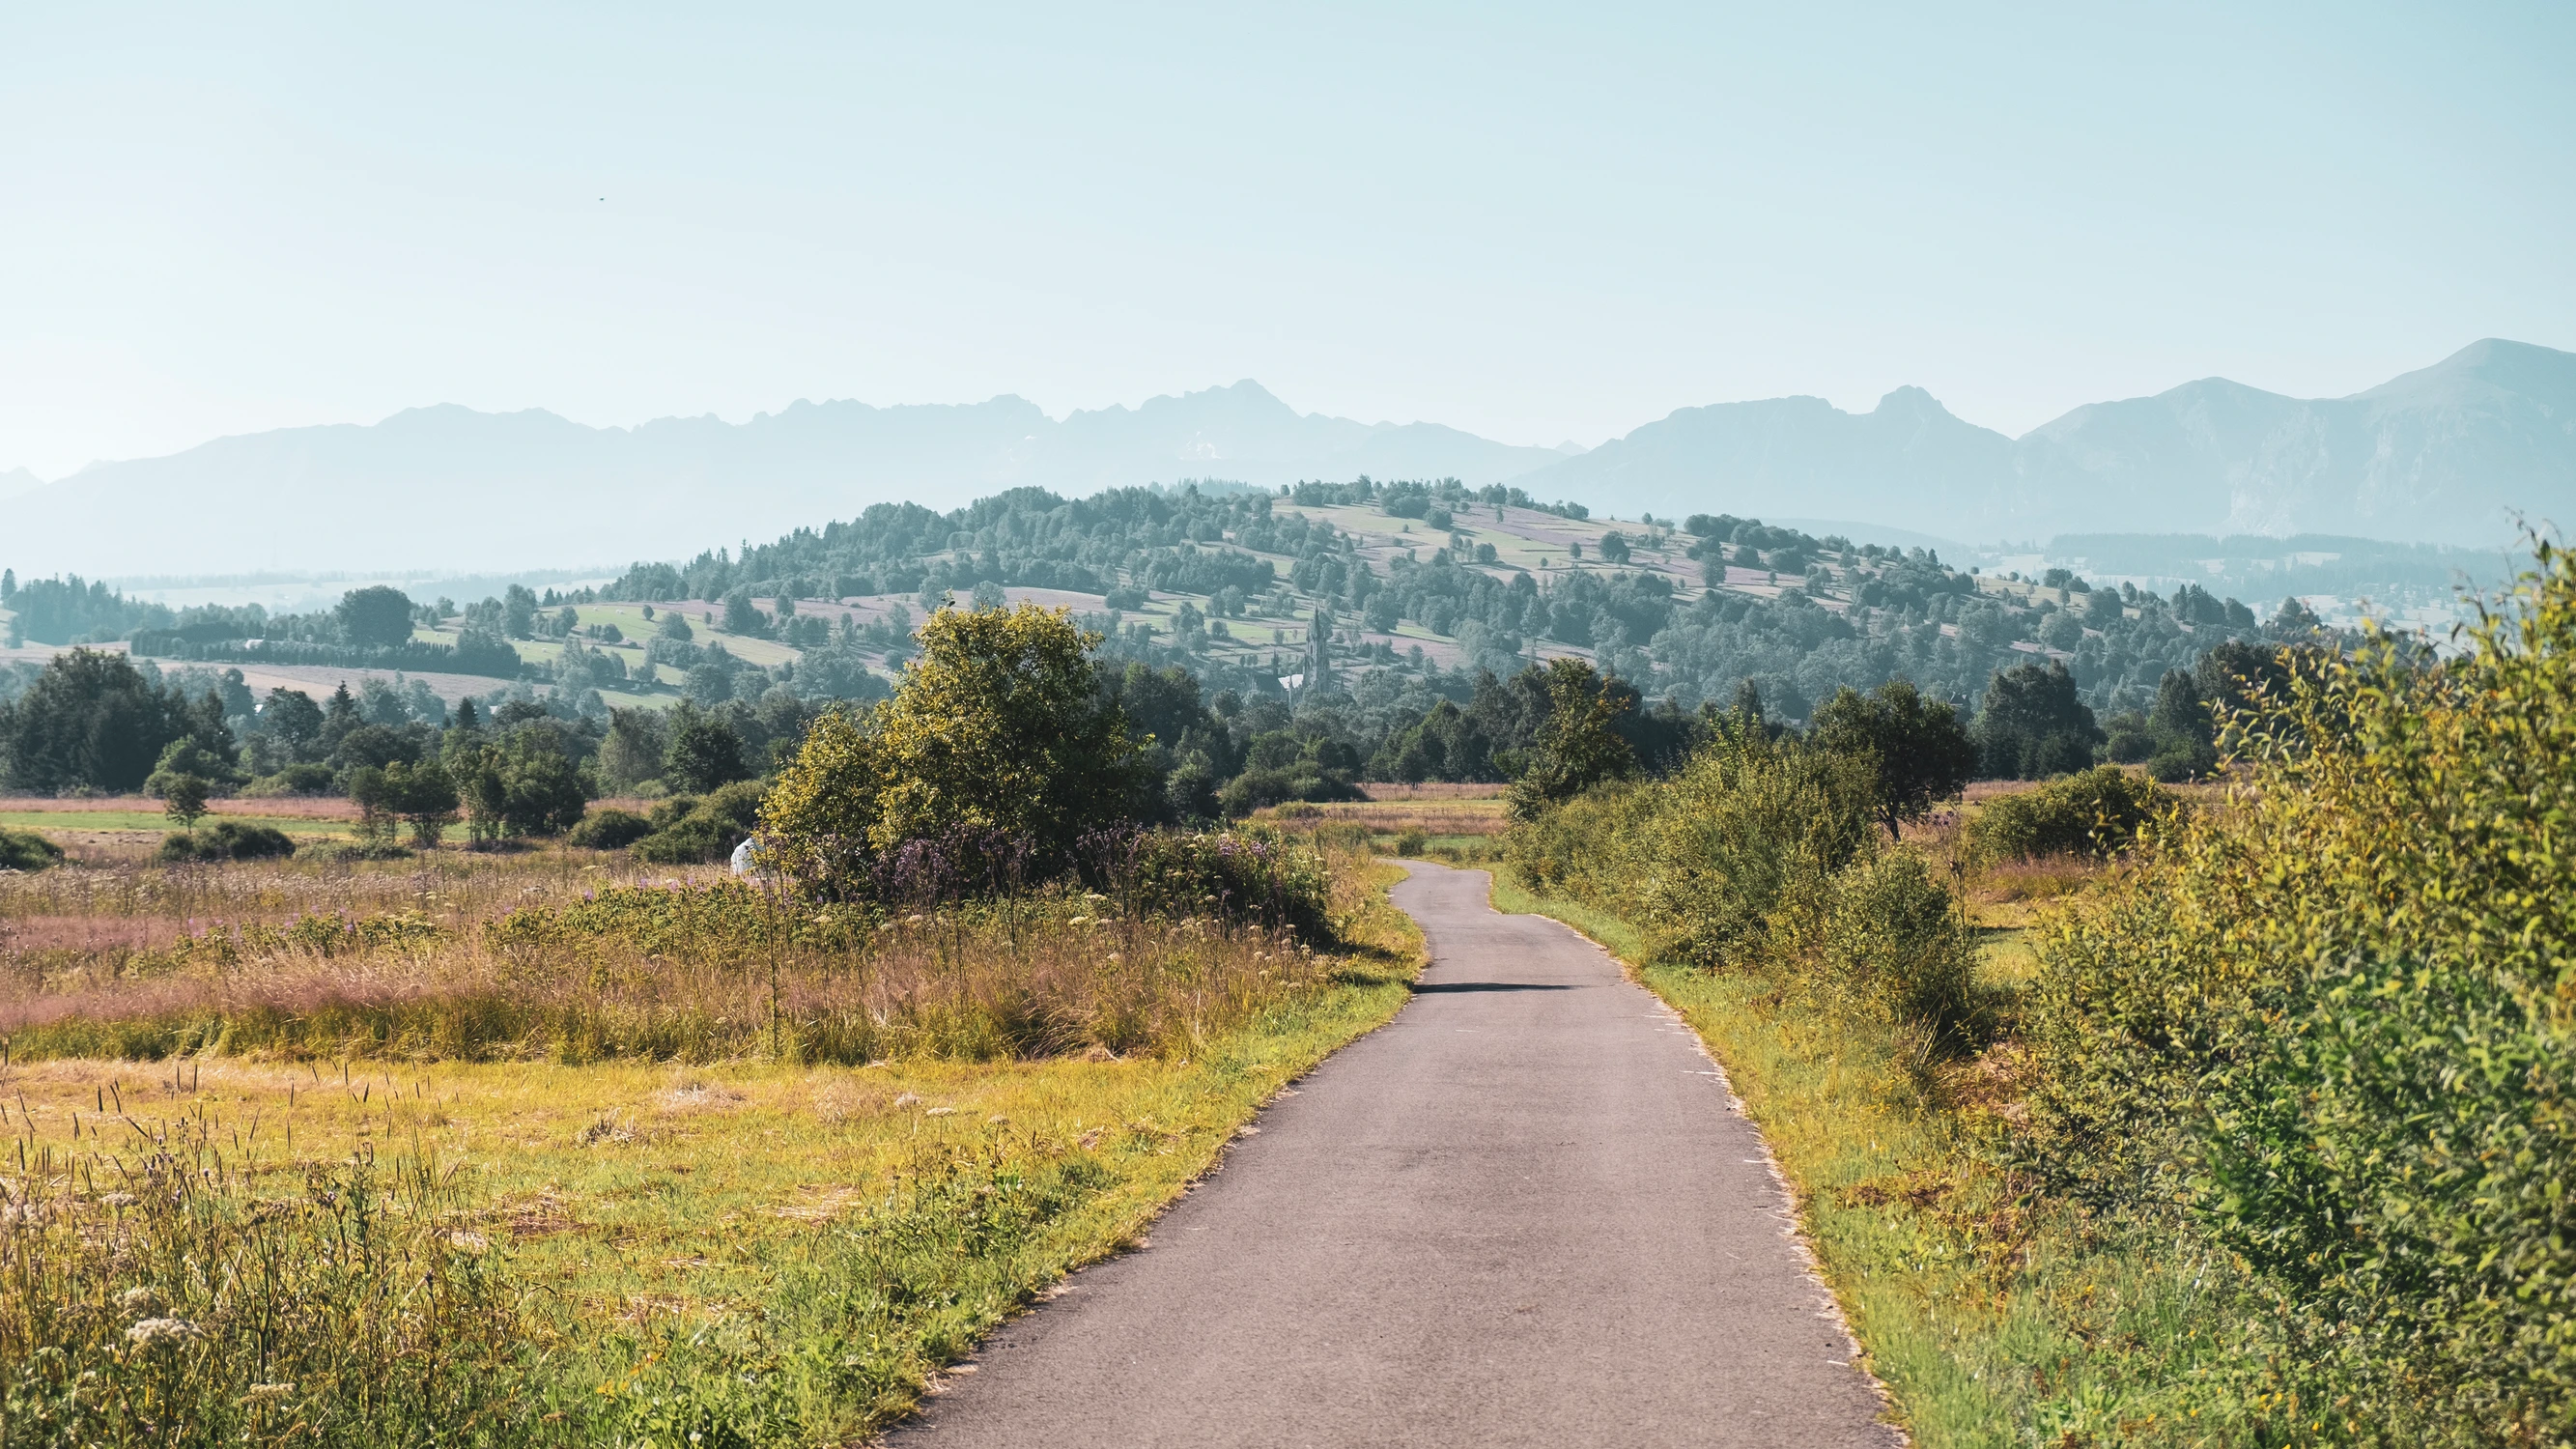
153	1332
1116	957
915	919
941	1112
138	1301
908	1099
117	1199
263	1393
997	1120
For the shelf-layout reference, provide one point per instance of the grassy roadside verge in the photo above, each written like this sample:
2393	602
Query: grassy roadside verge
1993	1323
737	1252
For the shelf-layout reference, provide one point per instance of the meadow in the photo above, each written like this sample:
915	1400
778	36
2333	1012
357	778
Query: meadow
543	1149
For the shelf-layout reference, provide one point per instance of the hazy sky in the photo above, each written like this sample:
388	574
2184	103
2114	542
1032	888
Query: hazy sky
1532	223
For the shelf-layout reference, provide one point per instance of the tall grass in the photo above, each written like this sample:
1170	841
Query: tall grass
169	1295
686	973
187	1282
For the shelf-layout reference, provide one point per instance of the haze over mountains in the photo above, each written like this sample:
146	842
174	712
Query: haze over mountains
2446	454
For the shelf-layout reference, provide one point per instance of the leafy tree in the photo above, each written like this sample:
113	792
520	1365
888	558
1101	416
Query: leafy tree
421	796
1920	750
89	720
1579	746
187	756
183	799
2033	725
705	752
521	784
675	626
1614	548
518	612
376	617
380	745
1003	724
741	616
638	742
710	683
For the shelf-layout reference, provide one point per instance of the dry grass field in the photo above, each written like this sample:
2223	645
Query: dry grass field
665	1155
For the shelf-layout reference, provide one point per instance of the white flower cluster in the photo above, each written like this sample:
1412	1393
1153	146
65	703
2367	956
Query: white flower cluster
153	1332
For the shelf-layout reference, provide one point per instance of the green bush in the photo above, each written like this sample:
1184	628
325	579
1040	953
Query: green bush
225	840
1895	938
1726	863
1243	876
26	850
292	780
354	852
1764	856
2329	1036
2098	812
610	830
701	830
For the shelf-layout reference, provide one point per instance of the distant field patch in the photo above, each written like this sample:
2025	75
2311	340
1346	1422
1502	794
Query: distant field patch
51	821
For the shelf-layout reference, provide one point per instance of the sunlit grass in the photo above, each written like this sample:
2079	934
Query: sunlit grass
777	1251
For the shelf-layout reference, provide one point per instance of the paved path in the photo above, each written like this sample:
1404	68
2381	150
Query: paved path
1520	1213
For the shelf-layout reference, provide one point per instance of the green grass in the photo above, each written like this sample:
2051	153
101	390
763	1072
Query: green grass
55	820
1993	1321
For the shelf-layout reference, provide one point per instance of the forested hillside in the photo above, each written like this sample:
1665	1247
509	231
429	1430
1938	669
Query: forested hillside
1227	580
1285	645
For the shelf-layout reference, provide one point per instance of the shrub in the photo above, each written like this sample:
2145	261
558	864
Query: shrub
1258	787
354	852
1231	875
1895	939
610	830
2098	812
1724	863
1411	842
690	830
292	780
2333	1027
225	840
26	850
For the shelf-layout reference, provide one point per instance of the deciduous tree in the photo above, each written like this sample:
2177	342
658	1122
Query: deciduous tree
1918	748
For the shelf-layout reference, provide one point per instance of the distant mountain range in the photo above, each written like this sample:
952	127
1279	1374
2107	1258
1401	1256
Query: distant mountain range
2445	455
2442	455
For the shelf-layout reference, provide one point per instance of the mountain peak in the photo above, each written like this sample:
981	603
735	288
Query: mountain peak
1910	399
2543	374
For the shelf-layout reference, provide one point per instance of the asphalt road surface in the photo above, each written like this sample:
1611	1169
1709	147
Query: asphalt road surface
1521	1213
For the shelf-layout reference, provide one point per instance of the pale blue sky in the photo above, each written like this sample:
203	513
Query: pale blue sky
1535	223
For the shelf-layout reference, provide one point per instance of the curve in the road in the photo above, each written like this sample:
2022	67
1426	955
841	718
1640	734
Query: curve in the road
1523	1212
